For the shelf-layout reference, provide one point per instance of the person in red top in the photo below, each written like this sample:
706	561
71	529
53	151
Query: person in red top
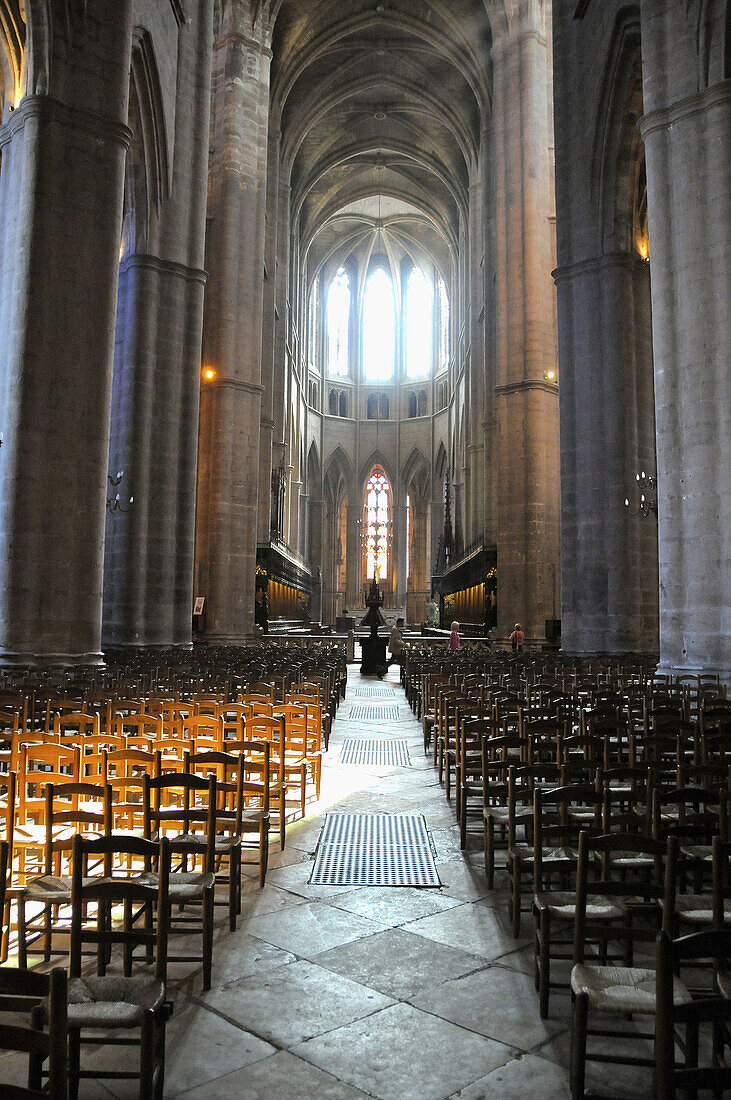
516	639
454	637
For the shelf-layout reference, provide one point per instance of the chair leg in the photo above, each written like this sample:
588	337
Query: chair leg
74	1062
147	1057
516	899
234	877
22	933
264	851
207	906
543	930
578	1046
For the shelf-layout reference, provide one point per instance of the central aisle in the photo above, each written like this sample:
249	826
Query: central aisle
342	992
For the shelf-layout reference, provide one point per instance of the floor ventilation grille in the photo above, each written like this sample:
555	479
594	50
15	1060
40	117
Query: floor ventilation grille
378	754
362	713
375	693
374	850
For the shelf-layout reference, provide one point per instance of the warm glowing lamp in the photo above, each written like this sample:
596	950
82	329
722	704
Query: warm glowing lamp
209	374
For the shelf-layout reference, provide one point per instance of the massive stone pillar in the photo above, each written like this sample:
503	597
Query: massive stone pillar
527	402
149	549
61	187
230	412
607	436
686	128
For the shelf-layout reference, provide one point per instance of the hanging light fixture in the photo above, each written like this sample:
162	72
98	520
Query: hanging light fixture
647	486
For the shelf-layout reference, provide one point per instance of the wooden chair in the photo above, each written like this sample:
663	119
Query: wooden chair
560	816
602	987
522	783
237	823
672	1013
114	1002
498	753
190	826
40	763
70	809
40	997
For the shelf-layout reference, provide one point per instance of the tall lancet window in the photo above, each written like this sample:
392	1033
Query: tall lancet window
377	523
443	325
419	324
379	327
314	322
338	325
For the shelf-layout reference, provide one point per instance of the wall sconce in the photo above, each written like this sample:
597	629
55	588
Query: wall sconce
209	374
551	376
647	486
114	504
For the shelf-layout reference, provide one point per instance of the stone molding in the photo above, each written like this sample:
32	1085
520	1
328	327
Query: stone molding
245	40
526	384
239	384
684	108
50	109
164	267
596	263
515	38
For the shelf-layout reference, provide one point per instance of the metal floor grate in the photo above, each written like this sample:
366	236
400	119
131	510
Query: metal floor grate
374	850
362	713
375	693
380	754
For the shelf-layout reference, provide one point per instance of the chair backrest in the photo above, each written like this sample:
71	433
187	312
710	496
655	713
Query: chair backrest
713	1010
85	806
41	764
105	891
191	813
618	866
23	991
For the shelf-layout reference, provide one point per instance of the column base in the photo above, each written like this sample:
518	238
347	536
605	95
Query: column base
724	674
8	659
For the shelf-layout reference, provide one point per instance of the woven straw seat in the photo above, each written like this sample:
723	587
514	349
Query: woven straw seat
563	904
113	1001
526	852
621	988
500	814
698	909
189	885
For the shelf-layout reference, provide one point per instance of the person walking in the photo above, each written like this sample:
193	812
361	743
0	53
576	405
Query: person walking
454	642
516	639
396	644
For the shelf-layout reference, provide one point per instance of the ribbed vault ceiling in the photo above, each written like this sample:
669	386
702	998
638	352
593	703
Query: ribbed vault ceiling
380	99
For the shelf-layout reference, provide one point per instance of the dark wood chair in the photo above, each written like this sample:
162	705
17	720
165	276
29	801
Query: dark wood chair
678	1024
113	1002
42	997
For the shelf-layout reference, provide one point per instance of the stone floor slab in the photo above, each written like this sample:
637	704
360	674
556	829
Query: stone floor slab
479	929
295	1002
495	1002
311	928
397	964
282	1076
403	1054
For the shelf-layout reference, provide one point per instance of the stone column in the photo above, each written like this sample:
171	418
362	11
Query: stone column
527	404
230	413
353	584
61	188
607	436
149	550
686	130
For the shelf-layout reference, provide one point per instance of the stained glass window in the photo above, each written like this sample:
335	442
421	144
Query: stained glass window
419	324
443	325
338	325
379	327
377	523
